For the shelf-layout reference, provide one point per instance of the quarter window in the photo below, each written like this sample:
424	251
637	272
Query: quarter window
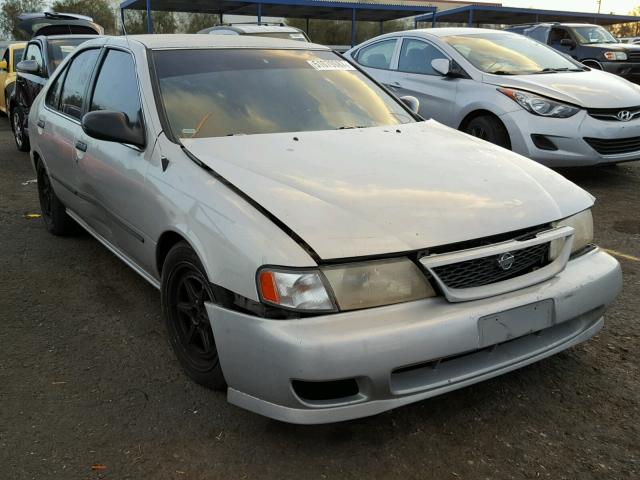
77	79
378	55
416	57
34	53
117	87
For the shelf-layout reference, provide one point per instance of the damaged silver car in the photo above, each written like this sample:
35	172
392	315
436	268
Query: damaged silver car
322	253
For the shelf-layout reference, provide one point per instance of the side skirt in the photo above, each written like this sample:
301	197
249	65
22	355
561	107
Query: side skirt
118	253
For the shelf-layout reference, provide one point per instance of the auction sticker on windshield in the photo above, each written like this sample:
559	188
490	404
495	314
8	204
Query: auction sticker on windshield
330	64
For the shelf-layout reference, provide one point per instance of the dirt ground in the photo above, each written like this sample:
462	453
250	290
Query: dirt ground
89	387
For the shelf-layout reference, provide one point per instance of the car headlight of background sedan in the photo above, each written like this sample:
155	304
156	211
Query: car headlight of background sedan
582	224
537	105
344	287
615	56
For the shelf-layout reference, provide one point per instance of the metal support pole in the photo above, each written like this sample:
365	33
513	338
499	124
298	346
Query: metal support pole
149	19
381	27
353	27
259	13
124	30
308	27
415	24
470	23
433	20
221	15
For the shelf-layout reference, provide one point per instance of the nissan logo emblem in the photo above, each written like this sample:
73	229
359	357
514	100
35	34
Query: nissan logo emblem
624	115
506	261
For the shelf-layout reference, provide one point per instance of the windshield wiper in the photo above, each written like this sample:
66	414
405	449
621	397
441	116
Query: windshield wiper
557	70
349	127
501	72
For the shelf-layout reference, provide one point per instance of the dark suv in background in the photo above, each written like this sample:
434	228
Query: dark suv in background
592	45
53	37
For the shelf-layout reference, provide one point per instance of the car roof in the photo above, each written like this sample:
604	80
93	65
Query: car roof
194	41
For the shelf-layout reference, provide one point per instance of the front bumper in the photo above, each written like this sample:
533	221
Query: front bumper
627	70
261	357
568	135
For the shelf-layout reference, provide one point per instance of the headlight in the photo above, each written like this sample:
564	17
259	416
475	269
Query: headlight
354	286
613	56
537	105
582	224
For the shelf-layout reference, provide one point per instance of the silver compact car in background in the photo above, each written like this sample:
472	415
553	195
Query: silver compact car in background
512	91
321	252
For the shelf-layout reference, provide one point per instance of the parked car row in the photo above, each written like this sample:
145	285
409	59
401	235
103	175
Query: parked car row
322	252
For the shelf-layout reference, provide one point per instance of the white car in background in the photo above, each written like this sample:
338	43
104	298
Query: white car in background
512	91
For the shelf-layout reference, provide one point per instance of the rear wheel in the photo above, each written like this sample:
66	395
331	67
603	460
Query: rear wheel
490	129
19	132
54	213
185	290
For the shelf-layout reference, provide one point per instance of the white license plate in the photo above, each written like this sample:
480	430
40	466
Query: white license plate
515	323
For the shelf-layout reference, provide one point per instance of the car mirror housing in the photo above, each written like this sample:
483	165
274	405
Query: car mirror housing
412	103
567	42
3	65
442	66
112	127
28	66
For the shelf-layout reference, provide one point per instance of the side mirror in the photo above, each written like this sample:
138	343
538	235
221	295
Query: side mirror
28	66
3	65
567	42
112	127
412	103
442	66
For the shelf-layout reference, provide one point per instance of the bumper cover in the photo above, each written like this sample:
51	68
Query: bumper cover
628	70
260	357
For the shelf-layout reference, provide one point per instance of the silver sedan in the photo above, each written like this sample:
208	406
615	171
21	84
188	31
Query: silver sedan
314	259
512	91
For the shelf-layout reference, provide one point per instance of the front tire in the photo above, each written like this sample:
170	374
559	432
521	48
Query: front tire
490	129
54	213
185	289
19	132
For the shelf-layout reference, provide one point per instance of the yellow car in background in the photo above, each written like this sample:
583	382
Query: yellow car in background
12	55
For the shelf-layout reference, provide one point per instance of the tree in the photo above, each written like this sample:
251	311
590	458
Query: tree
9	15
99	10
627	29
163	22
194	22
338	32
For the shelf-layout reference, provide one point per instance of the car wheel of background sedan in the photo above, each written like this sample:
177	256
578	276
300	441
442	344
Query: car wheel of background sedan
54	213
185	289
490	129
19	132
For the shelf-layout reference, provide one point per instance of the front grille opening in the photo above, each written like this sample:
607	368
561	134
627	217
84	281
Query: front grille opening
487	270
543	142
614	146
323	391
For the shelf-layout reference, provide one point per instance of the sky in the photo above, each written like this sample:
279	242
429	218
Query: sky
621	7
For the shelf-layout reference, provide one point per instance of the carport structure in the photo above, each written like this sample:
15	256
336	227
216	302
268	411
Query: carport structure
495	15
359	10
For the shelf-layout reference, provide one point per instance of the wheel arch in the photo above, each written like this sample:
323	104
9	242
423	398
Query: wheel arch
167	240
592	63
481	112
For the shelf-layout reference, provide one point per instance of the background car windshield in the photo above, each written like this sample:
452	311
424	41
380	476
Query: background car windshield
59	49
508	54
214	93
593	34
17	56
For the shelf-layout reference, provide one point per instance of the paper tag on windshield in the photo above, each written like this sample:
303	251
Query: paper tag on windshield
330	64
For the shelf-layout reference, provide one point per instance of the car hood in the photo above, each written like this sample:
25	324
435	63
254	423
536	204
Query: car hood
617	47
589	89
352	193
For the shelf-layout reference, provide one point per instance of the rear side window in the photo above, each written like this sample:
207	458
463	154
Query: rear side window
117	87
378	55
76	81
416	57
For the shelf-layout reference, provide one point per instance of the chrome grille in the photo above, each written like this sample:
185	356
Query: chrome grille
634	56
487	270
611	114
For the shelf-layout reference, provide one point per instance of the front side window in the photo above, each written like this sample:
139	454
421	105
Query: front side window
116	88
509	54
34	53
416	57
557	35
221	92
378	55
76	81
60	49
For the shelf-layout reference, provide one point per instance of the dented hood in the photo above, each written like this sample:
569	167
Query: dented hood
352	193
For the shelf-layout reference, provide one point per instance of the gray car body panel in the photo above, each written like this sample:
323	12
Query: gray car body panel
347	193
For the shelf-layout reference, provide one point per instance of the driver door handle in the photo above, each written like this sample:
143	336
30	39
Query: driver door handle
81	146
41	123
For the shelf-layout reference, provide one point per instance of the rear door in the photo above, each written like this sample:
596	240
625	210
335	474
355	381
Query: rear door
414	76
4	72
113	174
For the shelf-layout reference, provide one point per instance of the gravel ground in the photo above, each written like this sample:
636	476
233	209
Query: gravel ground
89	387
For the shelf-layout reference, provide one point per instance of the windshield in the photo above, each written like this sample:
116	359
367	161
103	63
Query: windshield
17	56
593	34
59	49
509	54
220	92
